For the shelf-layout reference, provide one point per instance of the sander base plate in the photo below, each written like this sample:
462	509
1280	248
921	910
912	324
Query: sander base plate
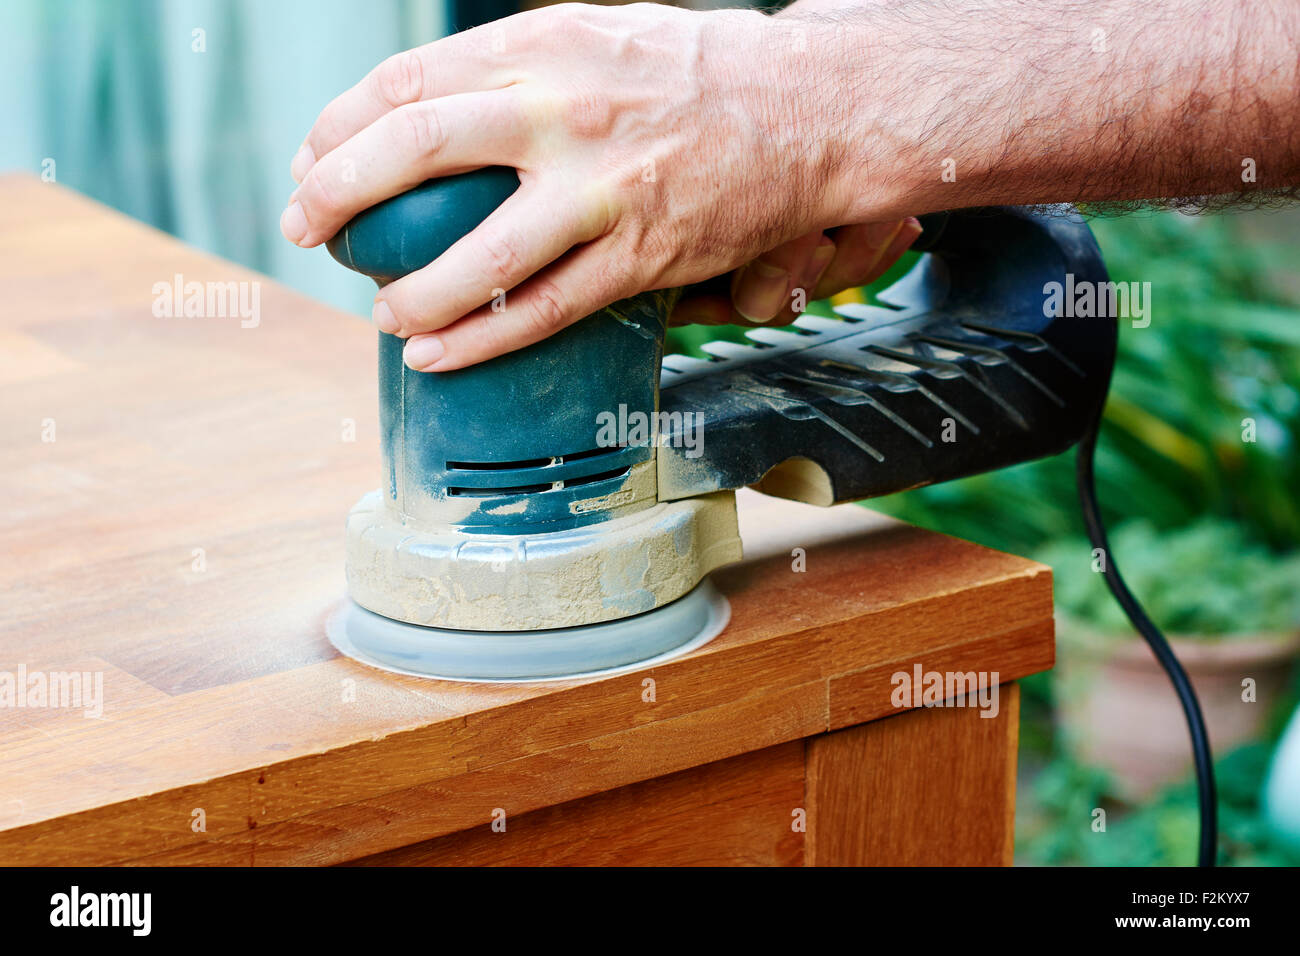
591	650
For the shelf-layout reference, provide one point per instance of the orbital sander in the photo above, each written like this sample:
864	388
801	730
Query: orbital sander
555	511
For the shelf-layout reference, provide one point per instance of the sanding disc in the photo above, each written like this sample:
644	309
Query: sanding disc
561	653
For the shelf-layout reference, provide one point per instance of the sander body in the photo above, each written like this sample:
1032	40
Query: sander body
555	512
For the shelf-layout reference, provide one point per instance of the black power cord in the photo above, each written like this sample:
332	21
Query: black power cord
1151	634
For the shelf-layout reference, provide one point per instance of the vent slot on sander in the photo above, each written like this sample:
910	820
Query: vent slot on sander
538	467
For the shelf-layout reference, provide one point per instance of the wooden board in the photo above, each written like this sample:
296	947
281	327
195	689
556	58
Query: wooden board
181	536
736	812
931	787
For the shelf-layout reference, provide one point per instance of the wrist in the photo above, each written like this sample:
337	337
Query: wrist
778	68
881	92
849	90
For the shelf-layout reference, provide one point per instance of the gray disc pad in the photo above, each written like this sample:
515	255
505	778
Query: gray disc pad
567	652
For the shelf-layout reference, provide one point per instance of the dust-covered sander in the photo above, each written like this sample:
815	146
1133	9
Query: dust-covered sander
555	511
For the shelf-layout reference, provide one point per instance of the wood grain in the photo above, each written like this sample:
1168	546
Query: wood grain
928	787
736	812
182	534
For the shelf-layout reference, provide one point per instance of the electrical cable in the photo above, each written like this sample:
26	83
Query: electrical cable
1084	477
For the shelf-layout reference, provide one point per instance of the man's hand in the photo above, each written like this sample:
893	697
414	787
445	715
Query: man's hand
655	147
773	289
658	147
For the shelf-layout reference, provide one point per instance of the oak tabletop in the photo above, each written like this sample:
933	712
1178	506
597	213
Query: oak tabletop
174	494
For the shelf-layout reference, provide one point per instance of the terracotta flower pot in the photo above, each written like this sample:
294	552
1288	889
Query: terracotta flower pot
1117	710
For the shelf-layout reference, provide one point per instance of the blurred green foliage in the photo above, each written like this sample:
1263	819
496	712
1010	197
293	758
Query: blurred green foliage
1205	578
1055	824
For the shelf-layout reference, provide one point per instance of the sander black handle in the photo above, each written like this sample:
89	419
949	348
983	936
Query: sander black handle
974	365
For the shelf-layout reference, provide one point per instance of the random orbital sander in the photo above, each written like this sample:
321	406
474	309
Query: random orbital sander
555	511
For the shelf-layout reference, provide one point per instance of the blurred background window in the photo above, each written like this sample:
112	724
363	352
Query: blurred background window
185	113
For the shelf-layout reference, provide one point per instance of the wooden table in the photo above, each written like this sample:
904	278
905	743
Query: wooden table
174	492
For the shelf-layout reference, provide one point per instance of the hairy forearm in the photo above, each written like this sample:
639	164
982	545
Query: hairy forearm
937	104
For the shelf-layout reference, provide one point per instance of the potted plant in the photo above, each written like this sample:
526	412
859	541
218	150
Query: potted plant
1231	611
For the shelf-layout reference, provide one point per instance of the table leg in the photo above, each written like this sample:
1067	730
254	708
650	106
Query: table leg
932	786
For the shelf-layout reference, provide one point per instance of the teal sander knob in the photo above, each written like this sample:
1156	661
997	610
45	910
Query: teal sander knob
514	445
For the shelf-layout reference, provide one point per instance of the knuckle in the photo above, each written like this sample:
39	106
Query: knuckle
587	113
624	274
561	18
422	127
319	193
544	311
328	126
400	78
530	25
646	250
504	262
